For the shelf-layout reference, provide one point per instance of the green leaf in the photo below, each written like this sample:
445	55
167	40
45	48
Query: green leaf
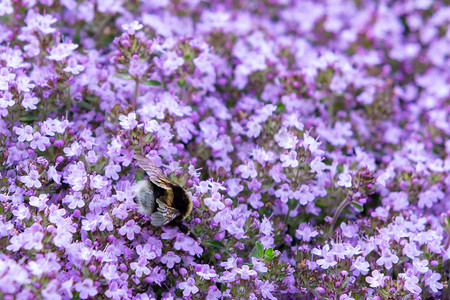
152	82
268	254
123	76
280	108
215	244
29	118
358	207
257	251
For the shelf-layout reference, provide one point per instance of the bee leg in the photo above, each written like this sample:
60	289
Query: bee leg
184	229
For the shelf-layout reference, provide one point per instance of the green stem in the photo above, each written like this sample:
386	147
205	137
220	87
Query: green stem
287	215
336	216
136	92
331	108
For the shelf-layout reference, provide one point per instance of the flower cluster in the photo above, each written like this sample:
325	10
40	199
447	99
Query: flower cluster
312	137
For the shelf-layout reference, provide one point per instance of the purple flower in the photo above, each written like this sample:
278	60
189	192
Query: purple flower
86	288
25	133
285	139
345	180
128	122
76	176
214	202
170	62
189	287
377	279
432	281
187	244
205	272
285	193
387	259
266	288
52	173
62	51
132	27
31	180
304	195
140	267
328	259
410	281
151	250
234	188
39	202
305	232
51	290
116	292
360	266
73	66
111	170
429	197
97	182
39	141
129	229
170	259
259	266
289	160
246	273
74	200
5	78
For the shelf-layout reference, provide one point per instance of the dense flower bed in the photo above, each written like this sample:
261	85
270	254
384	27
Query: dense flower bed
313	137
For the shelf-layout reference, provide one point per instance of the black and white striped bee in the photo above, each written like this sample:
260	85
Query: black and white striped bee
165	201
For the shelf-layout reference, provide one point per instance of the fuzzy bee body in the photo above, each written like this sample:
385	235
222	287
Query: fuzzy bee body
165	201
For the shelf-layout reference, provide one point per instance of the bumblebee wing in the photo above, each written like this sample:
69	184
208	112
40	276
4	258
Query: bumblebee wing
155	174
164	215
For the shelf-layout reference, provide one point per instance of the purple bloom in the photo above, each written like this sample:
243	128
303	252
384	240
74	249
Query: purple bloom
387	259
74	200
170	62
73	66
286	139
248	170
360	266
345	180
285	193
189	287
62	51
205	272
39	202
31	180
304	195
129	229
214	202
289	160
128	122
132	27
377	279
432	281
25	133
86	288
76	176
246	273
170	259
266	288
258	266
140	267
328	259
305	232
39	141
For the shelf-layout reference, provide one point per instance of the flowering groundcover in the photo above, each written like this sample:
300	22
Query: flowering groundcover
312	136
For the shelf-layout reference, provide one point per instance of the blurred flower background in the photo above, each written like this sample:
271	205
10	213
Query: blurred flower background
313	137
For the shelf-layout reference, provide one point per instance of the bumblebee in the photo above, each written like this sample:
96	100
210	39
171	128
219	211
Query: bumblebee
166	202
